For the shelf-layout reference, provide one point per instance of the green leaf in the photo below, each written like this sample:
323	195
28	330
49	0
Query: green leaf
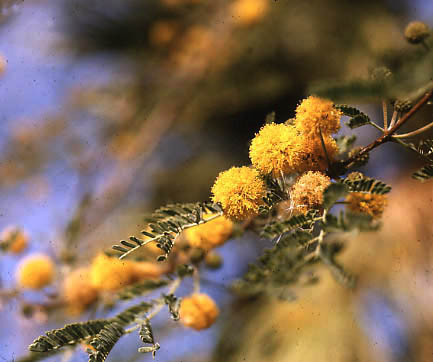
357	118
277	228
367	184
173	303
68	335
424	173
339	273
166	224
345	143
104	342
333	193
141	288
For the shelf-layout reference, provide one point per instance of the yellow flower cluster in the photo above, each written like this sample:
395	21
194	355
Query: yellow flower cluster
371	204
301	145
307	192
315	115
210	234
240	190
13	239
35	272
198	311
110	274
287	148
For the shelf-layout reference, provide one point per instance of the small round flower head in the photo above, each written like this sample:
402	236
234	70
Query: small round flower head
13	240
246	12
371	204
273	148
313	156
198	311
35	272
416	32
78	291
307	192
210	234
240	190
109	274
315	115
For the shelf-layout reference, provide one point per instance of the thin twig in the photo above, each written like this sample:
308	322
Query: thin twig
393	119
385	114
387	136
414	133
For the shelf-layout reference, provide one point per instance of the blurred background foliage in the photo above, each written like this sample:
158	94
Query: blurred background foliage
167	94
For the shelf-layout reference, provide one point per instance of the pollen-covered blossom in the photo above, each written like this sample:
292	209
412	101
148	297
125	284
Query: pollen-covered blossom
240	190
210	234
307	192
275	149
198	311
371	204
78	291
35	271
315	115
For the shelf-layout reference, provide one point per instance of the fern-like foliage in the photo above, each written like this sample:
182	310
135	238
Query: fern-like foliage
70	334
173	304
367	184
333	193
166	224
140	289
327	256
276	228
347	221
146	336
104	342
424	174
357	118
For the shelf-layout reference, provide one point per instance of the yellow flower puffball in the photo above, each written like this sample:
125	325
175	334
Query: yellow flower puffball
315	115
307	192
35	272
198	311
240	190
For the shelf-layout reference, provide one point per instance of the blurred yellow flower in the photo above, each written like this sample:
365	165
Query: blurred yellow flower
240	190
316	114
35	271
78	291
371	204
246	12
110	274
211	234
198	311
13	239
307	192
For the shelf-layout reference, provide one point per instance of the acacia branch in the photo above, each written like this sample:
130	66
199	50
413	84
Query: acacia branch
387	135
